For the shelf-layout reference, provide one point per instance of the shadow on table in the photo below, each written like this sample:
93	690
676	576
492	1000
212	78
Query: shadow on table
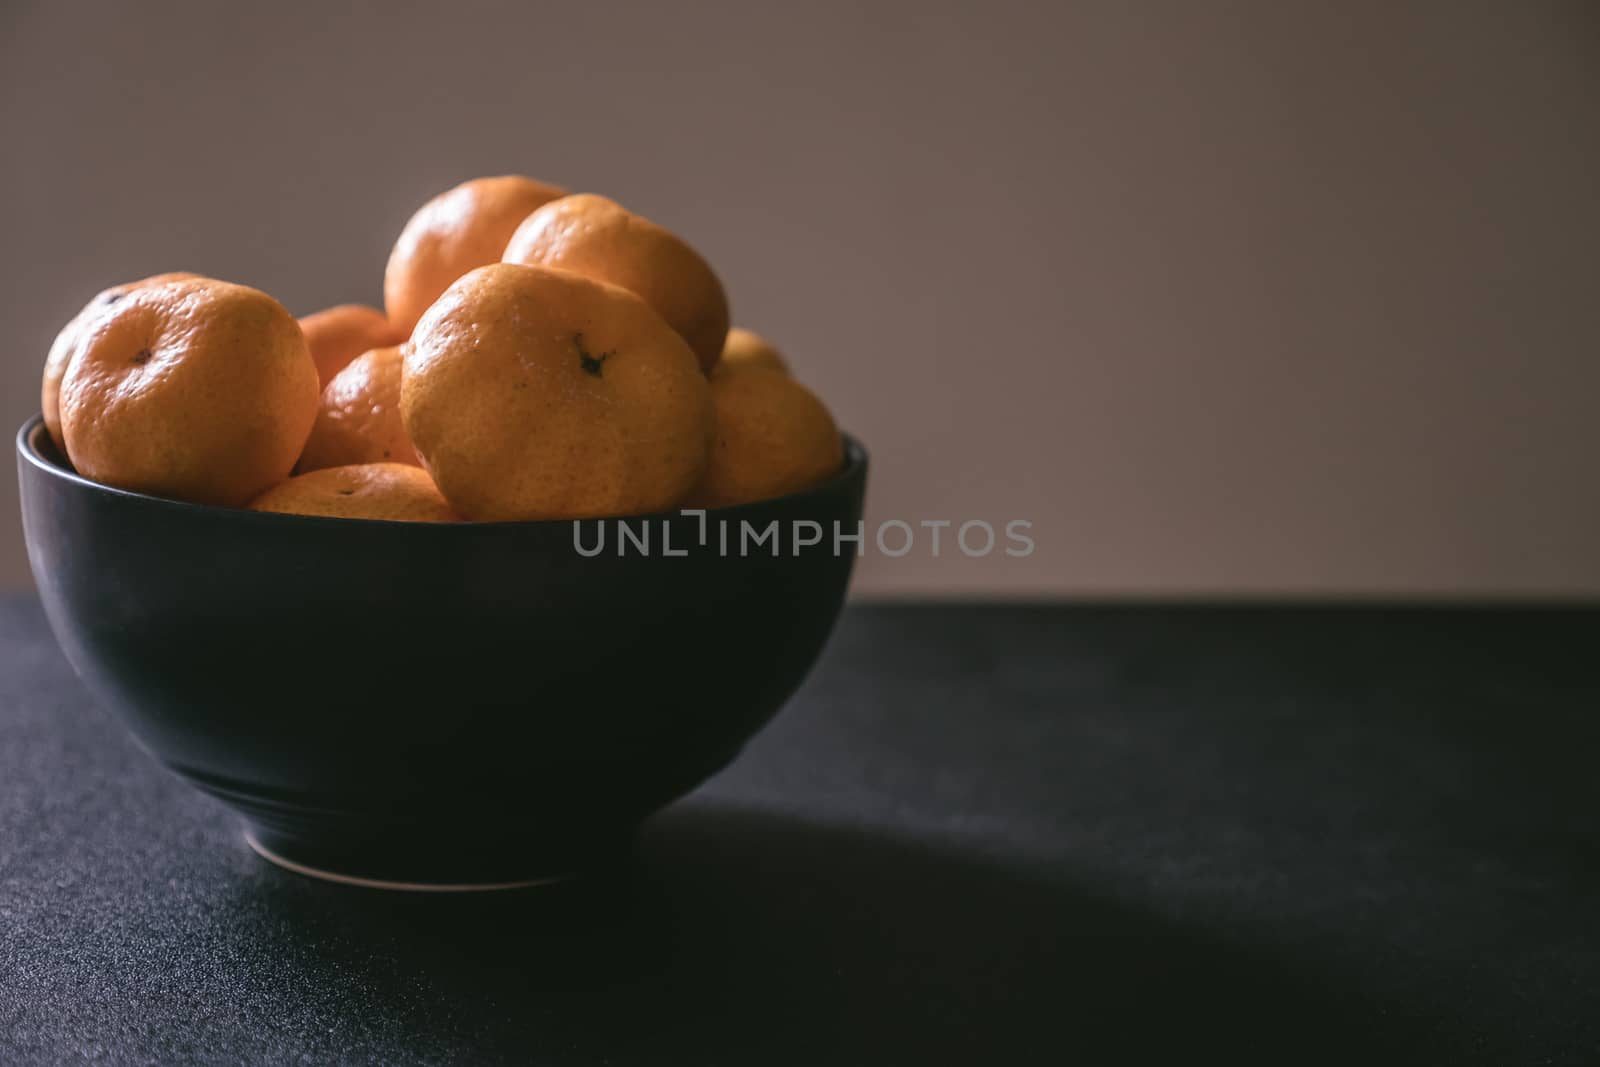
747	938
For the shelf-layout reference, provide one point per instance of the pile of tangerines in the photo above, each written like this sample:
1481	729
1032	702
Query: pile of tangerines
540	356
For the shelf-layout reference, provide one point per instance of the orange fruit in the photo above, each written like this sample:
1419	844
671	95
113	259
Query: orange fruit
359	418
745	348
66	346
193	389
773	436
533	393
601	239
393	491
461	228
337	335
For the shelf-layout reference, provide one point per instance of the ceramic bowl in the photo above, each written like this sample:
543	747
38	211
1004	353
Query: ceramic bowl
447	705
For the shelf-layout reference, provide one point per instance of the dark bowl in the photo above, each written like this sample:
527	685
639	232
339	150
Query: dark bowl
436	704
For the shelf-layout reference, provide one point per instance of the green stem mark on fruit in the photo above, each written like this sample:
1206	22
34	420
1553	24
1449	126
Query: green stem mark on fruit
590	364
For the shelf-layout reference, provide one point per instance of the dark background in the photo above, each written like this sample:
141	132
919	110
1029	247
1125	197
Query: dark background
978	835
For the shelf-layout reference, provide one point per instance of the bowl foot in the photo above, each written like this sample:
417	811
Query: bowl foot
437	856
369	882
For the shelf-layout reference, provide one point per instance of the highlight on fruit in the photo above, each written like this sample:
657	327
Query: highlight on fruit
539	355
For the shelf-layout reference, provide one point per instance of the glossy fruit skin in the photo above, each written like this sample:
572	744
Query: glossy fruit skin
772	436
358	418
193	389
67	343
534	393
336	336
599	238
746	348
462	228
542	703
388	491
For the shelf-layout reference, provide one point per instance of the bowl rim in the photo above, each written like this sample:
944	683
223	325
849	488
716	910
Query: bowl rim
855	460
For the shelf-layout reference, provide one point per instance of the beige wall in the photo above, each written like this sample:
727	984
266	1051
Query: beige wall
1222	297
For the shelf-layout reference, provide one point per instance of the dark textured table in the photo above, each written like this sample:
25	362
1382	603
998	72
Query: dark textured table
978	835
